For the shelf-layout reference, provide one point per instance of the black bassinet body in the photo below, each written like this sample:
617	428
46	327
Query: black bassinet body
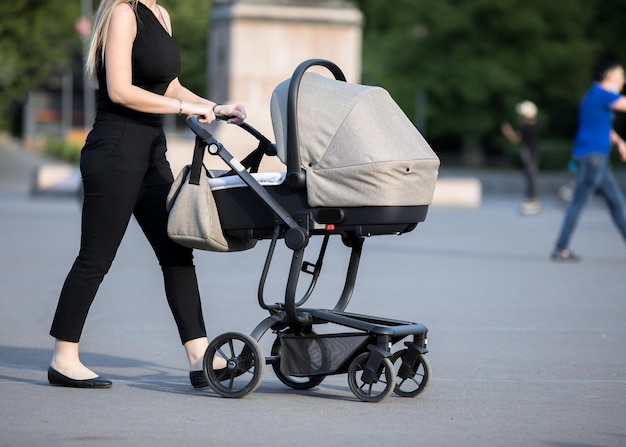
243	215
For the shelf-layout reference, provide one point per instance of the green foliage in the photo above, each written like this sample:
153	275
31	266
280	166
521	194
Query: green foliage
555	154
61	148
477	59
190	24
35	36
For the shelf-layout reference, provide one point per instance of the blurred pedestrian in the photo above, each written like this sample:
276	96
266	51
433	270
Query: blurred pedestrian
125	172
527	136
594	139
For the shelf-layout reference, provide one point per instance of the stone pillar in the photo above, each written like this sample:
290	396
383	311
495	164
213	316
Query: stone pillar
256	44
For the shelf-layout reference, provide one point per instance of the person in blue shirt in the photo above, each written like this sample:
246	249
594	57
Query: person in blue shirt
594	139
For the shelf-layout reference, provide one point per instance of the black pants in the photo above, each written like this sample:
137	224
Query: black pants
125	173
530	161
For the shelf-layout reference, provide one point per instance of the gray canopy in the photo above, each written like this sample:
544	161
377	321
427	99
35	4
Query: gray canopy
356	145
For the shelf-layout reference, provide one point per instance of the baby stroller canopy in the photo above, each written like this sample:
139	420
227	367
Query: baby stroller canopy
356	145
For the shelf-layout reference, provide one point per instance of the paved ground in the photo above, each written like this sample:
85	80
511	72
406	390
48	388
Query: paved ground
524	352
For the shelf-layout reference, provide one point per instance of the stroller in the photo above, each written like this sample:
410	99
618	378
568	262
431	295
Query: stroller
355	167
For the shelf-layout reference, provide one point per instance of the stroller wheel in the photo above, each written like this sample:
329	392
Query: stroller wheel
412	380
379	388
297	383
245	364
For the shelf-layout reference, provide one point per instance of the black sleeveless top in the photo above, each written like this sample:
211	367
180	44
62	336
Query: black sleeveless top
155	63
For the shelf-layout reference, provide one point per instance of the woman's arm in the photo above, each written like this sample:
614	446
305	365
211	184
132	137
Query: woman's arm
189	102
118	63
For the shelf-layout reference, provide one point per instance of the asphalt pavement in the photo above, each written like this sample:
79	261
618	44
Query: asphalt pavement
524	351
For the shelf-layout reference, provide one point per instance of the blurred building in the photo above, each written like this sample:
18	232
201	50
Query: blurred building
256	44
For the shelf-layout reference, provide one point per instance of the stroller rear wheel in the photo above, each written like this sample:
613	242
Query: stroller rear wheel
297	383
245	364
411	380
382	385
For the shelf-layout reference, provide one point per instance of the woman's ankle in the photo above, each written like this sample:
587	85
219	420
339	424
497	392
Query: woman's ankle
195	350
66	361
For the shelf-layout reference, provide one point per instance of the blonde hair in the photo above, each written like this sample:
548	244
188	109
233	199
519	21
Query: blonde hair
97	45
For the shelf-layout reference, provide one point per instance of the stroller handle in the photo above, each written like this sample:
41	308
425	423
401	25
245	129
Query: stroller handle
194	124
295	176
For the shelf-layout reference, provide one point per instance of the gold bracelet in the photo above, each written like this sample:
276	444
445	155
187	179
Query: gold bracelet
180	106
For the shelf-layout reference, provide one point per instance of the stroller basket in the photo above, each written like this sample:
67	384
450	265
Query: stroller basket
308	355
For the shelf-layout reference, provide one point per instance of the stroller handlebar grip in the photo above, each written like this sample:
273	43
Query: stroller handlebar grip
194	124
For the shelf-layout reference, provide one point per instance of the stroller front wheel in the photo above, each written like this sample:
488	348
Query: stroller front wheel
411	380
380	387
245	365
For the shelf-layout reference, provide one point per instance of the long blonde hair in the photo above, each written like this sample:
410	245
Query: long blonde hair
99	34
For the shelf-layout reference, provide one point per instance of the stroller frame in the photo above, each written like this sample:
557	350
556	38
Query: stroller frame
300	357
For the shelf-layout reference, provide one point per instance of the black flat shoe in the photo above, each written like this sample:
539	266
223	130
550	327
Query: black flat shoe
58	379
197	379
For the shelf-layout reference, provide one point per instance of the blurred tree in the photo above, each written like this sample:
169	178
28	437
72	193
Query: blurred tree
190	26
35	37
476	59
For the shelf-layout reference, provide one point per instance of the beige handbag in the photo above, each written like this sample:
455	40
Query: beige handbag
193	216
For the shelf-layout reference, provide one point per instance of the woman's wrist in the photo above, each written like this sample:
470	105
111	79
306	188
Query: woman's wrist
183	108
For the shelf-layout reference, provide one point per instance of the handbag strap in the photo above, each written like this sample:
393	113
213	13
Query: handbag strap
196	163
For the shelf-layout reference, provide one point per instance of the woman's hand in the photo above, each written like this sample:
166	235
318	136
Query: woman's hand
235	112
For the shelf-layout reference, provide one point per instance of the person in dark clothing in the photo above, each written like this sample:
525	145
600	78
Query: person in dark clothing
594	140
527	136
125	173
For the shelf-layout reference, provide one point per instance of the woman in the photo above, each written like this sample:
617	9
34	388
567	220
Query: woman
134	59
